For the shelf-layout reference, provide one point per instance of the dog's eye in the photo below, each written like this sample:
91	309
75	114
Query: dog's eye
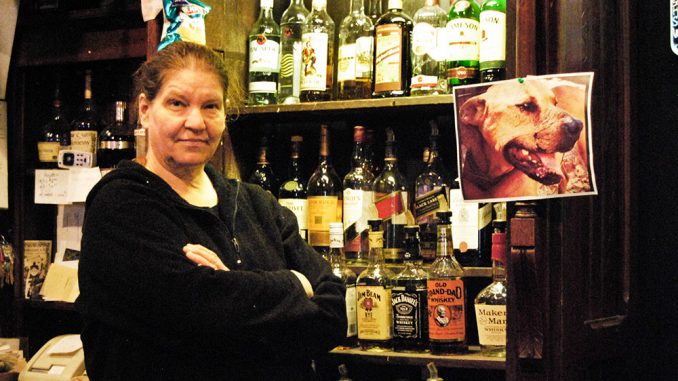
528	107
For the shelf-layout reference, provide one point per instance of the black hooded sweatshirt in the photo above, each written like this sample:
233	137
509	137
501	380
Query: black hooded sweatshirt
151	314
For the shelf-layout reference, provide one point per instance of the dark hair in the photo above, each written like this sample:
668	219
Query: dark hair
149	78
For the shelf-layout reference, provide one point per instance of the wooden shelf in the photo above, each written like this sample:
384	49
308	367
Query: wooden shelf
41	304
473	359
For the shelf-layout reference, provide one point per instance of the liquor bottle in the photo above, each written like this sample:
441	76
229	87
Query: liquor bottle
358	201
116	142
429	47
348	277
409	298
372	163
354	65
263	172
292	192
291	23
446	295
54	133
376	10
317	54
470	228
430	196
391	201
392	68
264	59
324	197
462	64
490	304
373	294
493	41
85	127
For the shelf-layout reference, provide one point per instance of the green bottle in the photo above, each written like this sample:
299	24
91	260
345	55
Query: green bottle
463	62
493	41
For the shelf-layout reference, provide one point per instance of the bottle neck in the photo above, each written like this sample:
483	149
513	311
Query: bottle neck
444	241
265	13
376	255
319	5
357	7
263	159
294	171
358	157
395	5
498	271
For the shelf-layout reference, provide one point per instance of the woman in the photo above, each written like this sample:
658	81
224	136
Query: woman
185	274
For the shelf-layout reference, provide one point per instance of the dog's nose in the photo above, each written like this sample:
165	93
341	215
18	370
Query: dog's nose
572	126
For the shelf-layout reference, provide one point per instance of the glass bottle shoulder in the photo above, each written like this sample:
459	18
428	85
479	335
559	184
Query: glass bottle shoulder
376	275
319	21
395	17
466	9
432	15
495	293
359	178
445	267
294	14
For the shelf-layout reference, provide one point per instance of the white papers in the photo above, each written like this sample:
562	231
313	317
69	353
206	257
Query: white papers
59	186
61	282
8	16
4	186
69	231
67	344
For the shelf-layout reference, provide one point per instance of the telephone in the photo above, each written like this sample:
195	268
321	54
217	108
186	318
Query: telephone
61	359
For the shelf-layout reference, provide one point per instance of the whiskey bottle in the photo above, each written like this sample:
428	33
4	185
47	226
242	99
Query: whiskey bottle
263	172
462	65
291	23
392	68
264	57
85	127
429	47
292	193
324	197
446	295
490	304
54	133
373	290
470	228
358	201
116	142
493	41
348	277
317	54
409	298
354	65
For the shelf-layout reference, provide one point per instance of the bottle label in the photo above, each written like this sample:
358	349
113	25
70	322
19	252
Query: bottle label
84	141
427	204
446	309
493	39
388	58
421	81
48	152
262	87
491	324
423	38
314	61
390	204
374	313
356	205
299	207
321	211
363	57
290	61
467	219
346	69
465	39
114	144
443	50
409	312
351	312
264	54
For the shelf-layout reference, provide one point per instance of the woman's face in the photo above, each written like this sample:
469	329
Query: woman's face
186	119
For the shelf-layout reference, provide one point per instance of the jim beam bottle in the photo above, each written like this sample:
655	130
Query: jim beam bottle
348	277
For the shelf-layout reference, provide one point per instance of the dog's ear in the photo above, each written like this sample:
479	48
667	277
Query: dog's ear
473	111
471	116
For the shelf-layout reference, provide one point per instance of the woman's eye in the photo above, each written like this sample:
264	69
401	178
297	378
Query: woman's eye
175	103
528	107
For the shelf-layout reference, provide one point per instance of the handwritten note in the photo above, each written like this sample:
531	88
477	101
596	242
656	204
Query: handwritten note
51	186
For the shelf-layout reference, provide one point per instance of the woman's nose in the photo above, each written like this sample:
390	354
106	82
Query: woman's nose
195	119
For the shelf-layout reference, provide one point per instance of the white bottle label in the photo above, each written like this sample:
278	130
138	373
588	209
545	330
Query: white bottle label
353	205
351	311
347	58
465	39
443	50
491	324
300	209
464	221
423	38
263	87
84	141
264	55
388	58
363	57
493	36
314	61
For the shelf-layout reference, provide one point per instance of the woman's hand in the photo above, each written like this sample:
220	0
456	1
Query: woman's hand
203	256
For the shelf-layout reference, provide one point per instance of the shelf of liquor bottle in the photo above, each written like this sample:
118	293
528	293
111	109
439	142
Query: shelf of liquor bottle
476	272
473	359
45	305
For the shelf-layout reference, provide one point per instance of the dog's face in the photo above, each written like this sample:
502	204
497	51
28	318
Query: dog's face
518	125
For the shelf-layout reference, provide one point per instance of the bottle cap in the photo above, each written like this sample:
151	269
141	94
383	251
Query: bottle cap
499	247
266	4
444	217
411	240
359	134
375	225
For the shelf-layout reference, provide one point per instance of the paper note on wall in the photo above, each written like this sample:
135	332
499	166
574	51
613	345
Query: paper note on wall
4	159
51	186
8	17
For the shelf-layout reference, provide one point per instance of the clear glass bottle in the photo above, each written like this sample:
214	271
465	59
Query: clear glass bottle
358	201
317	54
264	57
392	67
356	43
429	59
391	201
490	304
292	193
85	127
116	142
409	298
463	62
342	271
446	295
373	291
54	133
493	41
263	172
324	197
291	23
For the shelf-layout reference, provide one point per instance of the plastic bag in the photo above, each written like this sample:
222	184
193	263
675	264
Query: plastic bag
184	21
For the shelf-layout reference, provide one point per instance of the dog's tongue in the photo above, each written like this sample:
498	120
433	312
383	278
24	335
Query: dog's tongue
551	163
542	167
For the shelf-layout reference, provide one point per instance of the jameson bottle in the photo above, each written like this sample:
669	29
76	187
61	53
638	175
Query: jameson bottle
429	47
292	192
470	228
347	276
493	41
291	23
462	65
54	133
85	127
392	68
490	304
409	298
354	65
264	61
373	289
317	54
324	197
446	296
116	142
263	172
358	201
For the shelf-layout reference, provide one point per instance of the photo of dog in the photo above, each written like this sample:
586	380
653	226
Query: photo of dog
525	138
